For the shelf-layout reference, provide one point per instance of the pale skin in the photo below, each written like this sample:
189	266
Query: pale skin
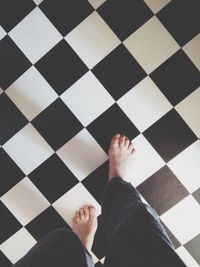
121	160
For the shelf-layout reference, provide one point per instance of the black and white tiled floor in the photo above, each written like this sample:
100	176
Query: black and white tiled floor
72	74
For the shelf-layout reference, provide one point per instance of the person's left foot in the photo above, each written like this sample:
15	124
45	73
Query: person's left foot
85	225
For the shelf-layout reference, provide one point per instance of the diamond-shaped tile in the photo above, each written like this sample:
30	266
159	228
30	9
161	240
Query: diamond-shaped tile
144	104
13	62
11	119
25	201
35	35
162	190
11	173
177	77
61	67
46	222
183	219
66	15
96	102
82	154
18	245
116	70
92	39
170	135
57	124
186	166
151	44
53	178
69	203
31	93
137	13
115	121
28	149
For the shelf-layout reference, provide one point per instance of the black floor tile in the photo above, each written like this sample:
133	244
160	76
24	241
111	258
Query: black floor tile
11	119
9	224
111	122
11	174
61	67
99	244
162	190
12	12
170	135
177	77
119	72
182	20
4	261
13	63
53	178
46	222
97	181
124	17
66	15
57	124
98	264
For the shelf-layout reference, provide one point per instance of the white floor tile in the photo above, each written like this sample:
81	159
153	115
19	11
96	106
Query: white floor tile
144	104
151	44
87	98
186	257
18	245
192	49
102	260
73	200
156	5
35	35
186	166
28	149
38	1
25	201
183	219
189	109
96	3
147	160
92	39
82	154
31	93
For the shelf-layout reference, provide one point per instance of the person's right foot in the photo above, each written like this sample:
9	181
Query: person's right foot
121	157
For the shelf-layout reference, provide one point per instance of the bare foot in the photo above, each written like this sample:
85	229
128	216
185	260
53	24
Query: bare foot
121	157
85	225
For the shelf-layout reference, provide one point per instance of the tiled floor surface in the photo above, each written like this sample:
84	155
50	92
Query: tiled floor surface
72	74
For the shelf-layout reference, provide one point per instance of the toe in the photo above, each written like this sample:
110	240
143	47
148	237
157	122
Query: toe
93	212
77	217
74	220
81	214
122	140
86	212
127	142
133	151
131	147
115	141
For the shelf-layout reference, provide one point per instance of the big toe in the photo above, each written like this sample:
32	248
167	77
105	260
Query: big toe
115	141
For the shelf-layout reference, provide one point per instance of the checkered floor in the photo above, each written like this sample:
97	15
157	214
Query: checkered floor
72	74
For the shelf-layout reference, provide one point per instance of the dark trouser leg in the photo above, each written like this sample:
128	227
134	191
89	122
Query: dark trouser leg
134	231
60	248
